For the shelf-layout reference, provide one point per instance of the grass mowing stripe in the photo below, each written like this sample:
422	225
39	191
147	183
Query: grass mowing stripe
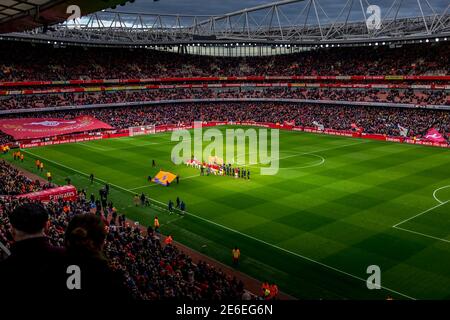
419	214
323	150
436	191
422	234
232	230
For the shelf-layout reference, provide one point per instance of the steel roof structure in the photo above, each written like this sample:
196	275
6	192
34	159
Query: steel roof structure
263	25
19	15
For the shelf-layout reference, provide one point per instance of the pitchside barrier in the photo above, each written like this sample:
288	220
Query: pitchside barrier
231	78
269	125
65	193
229	85
220	100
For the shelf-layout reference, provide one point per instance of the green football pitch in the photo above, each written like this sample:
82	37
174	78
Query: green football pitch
337	206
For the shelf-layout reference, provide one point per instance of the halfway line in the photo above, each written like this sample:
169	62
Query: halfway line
235	231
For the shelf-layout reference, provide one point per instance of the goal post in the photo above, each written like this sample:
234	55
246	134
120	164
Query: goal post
141	130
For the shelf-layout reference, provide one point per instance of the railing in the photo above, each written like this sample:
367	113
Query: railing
225	100
226	79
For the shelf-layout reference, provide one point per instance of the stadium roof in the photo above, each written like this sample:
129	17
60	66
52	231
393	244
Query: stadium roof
19	15
296	23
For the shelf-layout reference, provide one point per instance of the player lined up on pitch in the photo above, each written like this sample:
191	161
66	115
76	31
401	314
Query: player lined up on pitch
219	169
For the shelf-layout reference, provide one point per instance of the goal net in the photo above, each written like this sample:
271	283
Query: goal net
141	130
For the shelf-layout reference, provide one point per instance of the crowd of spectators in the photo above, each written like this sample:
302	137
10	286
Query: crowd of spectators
24	61
148	268
417	97
13	183
381	120
5	139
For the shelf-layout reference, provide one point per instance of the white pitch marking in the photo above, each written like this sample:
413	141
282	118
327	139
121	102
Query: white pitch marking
318	151
419	214
87	145
238	232
441	203
421	234
312	153
439	189
173	220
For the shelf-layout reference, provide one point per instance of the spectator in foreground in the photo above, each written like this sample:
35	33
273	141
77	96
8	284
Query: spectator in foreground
84	241
34	270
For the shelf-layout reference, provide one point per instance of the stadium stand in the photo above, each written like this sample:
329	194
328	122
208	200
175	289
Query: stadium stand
149	269
13	183
399	89
22	61
419	97
381	120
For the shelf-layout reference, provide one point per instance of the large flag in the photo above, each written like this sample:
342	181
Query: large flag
33	128
355	127
164	177
434	136
403	131
319	126
289	123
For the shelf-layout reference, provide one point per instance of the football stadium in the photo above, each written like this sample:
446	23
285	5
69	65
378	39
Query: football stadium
250	151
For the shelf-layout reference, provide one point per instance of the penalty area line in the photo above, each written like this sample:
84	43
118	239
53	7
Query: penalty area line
419	214
441	203
234	231
422	234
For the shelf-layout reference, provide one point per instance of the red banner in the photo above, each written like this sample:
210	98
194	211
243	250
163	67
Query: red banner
228	85
32	128
245	78
66	193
